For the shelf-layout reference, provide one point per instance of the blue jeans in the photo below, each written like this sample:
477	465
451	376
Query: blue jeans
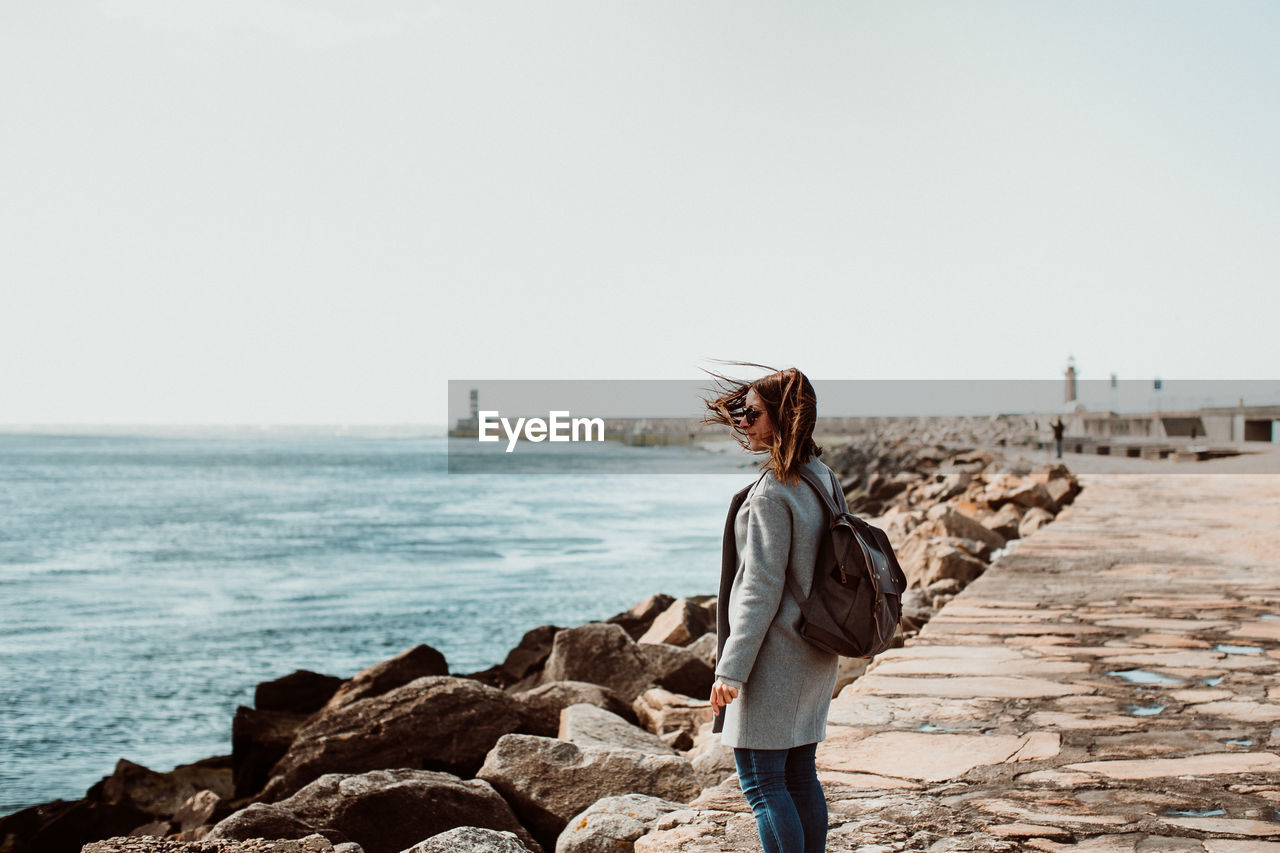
782	788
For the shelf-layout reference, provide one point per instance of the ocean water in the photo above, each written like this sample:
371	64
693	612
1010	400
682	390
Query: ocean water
147	584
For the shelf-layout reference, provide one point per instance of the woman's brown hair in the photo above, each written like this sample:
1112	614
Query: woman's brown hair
792	407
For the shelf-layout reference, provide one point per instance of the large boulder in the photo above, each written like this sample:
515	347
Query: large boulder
411	664
386	811
540	707
548	781
612	824
587	725
260	738
638	619
525	660
601	653
433	723
471	839
300	692
680	624
677	669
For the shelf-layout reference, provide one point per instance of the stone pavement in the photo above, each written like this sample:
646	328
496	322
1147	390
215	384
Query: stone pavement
1109	686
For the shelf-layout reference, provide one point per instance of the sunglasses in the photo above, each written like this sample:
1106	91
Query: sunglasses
751	414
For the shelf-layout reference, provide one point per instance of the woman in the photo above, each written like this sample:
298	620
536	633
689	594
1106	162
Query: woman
773	686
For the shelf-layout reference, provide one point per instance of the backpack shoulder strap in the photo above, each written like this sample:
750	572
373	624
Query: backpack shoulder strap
833	510
835	488
828	500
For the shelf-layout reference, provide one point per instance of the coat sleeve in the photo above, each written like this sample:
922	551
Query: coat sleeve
764	575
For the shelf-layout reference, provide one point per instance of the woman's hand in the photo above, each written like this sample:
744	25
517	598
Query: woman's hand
721	695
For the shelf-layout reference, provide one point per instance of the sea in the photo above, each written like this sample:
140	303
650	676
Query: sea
148	583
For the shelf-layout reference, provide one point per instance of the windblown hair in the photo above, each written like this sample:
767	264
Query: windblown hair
792	407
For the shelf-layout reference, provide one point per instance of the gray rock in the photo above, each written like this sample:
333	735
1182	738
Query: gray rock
438	723
600	653
587	725
612	824
418	662
677	669
549	781
540	707
470	839
385	811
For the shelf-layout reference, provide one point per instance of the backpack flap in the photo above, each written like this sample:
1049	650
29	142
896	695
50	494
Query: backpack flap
878	556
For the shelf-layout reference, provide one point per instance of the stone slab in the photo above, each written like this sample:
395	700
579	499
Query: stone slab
1002	687
1227	826
1208	764
922	756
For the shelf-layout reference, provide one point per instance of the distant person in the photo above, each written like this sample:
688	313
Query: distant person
773	688
1058	430
1193	432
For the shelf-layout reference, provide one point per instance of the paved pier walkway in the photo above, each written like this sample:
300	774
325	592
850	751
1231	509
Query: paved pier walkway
1110	686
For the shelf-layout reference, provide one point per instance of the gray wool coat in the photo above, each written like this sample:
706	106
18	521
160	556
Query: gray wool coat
785	684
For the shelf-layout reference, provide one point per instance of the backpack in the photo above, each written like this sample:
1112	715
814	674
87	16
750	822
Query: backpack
856	600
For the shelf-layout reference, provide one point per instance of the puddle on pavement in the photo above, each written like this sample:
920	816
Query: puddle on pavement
1239	741
1212	682
1143	676
1145	710
1194	813
1238	650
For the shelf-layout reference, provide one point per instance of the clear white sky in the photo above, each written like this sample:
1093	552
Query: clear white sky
310	211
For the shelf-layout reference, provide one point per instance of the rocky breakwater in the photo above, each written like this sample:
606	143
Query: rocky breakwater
404	755
581	740
948	512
